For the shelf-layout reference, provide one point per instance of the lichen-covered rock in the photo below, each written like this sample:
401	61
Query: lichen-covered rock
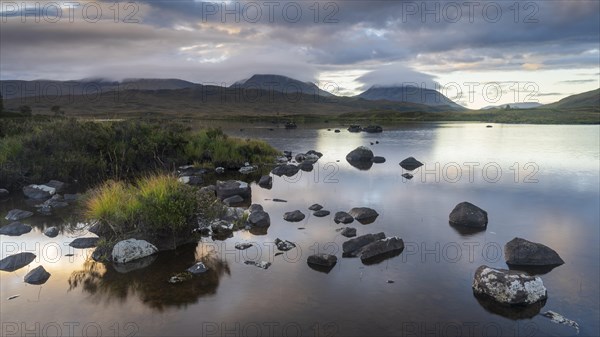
520	252
132	249
467	214
508	287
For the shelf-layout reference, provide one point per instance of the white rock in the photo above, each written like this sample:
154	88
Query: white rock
132	249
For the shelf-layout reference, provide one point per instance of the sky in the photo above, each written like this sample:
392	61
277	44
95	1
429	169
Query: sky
478	53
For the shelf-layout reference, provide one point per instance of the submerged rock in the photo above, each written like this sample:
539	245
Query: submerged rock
467	214
37	276
243	246
17	214
15	229
294	216
508	287
410	164
83	243
560	319
407	176
520	252
132	249
266	182
324	260
284	245
51	232
353	247
343	217
259	264
364	215
17	261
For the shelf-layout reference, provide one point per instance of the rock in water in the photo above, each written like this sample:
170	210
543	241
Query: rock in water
349	232
287	170
560	319
243	246
255	208
197	269
83	243
321	213
343	217
16	262
325	260
259	264
51	232
407	176
315	207
294	216
378	160
43	191
306	166
248	169
467	214
266	182
520	252
259	219
226	189
352	247
361	153
284	245
132	249
364	215
410	164
37	276
15	229
17	214
508	287
381	247
3	193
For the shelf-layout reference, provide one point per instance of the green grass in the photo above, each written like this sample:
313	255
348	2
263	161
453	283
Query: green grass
38	149
154	205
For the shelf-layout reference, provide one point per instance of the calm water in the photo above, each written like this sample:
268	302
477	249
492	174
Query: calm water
536	182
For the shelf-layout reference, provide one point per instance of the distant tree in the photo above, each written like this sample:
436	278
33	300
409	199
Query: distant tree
57	111
25	110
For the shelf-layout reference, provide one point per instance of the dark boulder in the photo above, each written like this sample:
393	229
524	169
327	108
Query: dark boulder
364	215
4	193
360	154
294	216
321	213
266	182
467	214
37	276
353	247
17	214
343	217
315	207
197	269
378	160
407	176
284	245
83	243
16	262
255	208
324	260
306	166
51	232
15	229
520	252
348	232
373	129
229	188
287	170
410	164
381	247
259	219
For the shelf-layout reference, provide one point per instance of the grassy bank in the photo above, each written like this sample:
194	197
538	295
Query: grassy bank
38	149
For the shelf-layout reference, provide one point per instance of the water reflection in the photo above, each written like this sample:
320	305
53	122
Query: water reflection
514	312
148	279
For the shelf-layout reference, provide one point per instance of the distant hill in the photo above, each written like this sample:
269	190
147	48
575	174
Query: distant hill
280	83
590	99
91	87
410	94
523	105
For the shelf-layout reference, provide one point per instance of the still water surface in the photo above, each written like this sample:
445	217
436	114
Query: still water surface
536	182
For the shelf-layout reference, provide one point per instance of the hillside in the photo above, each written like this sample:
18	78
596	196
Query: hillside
410	94
522	105
281	84
590	99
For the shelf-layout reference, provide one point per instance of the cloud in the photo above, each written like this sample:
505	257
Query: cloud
396	75
578	81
